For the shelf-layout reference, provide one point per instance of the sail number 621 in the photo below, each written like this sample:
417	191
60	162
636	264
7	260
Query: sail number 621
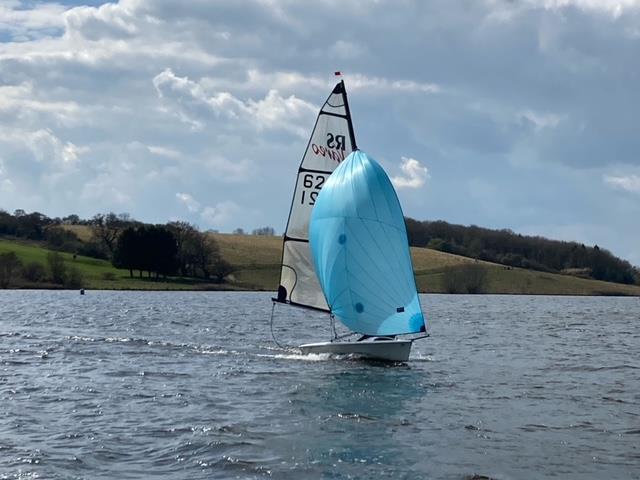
312	185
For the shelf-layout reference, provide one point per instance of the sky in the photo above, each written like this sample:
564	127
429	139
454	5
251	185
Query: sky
503	114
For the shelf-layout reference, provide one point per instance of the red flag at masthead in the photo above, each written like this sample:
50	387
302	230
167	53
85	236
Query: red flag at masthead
337	74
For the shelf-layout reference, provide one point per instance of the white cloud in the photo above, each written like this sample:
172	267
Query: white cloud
41	146
191	203
114	20
71	152
613	7
164	151
629	183
189	101
220	214
414	174
29	23
363	82
24	102
214	216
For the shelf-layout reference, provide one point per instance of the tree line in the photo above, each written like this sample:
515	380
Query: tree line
176	248
179	248
157	251
533	252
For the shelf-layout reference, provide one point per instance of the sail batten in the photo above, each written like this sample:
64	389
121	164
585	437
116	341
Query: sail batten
360	249
331	141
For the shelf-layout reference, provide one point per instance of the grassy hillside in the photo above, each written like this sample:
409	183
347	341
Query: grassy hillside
97	274
257	262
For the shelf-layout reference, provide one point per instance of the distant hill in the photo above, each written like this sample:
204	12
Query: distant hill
530	252
95	273
258	262
458	259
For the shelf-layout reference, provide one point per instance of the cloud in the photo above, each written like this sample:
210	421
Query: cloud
213	216
24	24
414	174
191	203
220	214
189	101
541	120
629	183
164	151
613	7
363	82
120	106
40	147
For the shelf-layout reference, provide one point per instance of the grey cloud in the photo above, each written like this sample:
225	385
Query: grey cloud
216	99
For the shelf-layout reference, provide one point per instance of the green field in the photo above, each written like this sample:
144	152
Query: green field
98	274
257	262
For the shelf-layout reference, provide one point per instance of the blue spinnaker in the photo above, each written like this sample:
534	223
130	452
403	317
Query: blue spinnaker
361	253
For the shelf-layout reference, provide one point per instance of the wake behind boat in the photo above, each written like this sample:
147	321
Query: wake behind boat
345	248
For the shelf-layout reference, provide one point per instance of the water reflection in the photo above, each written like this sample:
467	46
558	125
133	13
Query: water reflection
356	420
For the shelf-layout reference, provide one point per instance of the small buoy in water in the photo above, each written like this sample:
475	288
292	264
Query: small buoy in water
82	291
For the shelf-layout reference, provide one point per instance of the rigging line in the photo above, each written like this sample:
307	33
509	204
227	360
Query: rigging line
275	340
333	326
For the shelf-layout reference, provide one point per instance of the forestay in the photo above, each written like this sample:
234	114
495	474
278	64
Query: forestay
331	141
359	244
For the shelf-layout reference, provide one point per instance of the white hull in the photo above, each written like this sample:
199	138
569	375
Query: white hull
384	350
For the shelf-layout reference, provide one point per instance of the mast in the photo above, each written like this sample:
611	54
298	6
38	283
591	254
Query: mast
352	136
331	141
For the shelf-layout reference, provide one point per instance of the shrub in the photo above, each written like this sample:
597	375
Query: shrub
34	272
74	278
94	250
9	265
57	268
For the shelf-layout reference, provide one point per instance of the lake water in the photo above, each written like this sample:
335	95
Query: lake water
190	385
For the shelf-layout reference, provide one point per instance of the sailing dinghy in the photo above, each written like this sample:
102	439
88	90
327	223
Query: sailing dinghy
352	228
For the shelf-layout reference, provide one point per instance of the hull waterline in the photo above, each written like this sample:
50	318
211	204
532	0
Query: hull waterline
382	350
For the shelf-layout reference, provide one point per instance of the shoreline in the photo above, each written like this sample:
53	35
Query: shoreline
247	290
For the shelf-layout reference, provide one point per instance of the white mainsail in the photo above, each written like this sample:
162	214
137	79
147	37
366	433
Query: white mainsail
331	142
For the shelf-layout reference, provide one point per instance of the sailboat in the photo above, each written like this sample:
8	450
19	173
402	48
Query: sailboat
345	247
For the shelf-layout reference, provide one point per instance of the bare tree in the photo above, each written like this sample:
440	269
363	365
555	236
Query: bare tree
187	240
206	253
266	231
107	227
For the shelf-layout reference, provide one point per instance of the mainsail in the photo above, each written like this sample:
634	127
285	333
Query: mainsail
331	141
359	244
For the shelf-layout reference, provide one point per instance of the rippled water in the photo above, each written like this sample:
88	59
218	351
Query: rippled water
190	385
